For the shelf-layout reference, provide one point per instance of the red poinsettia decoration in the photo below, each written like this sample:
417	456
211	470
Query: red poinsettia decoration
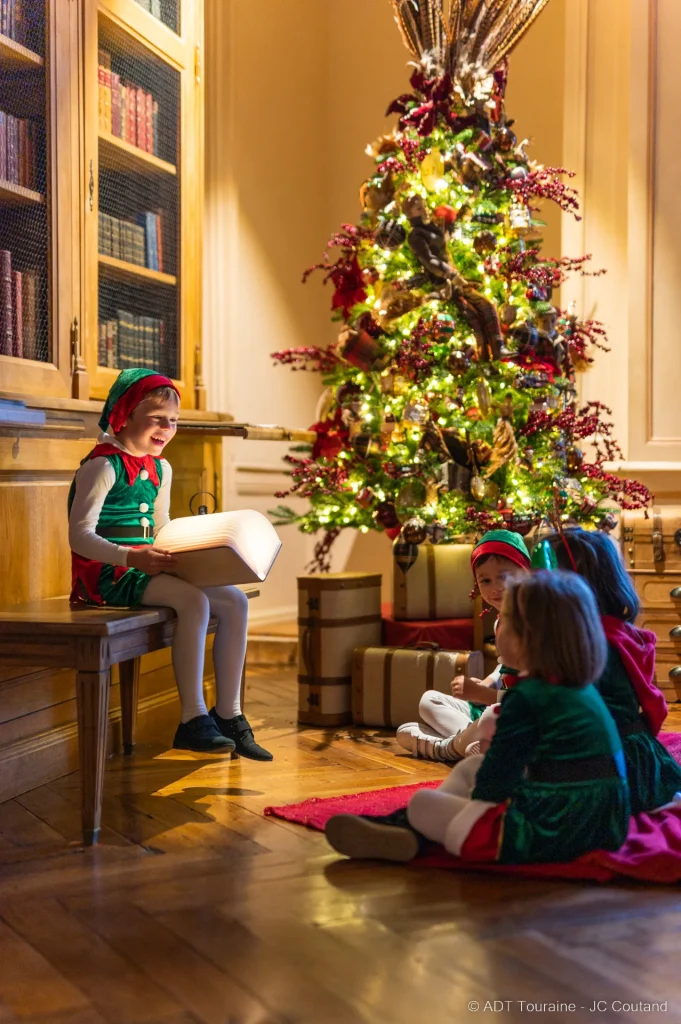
332	437
347	277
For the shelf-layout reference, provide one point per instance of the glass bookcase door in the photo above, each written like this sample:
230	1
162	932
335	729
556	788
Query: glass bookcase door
38	141
143	267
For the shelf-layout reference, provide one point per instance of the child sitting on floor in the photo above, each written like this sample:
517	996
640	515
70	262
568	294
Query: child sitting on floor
451	721
553	784
119	499
628	683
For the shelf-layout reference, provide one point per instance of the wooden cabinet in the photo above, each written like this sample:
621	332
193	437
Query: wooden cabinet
113	225
40	187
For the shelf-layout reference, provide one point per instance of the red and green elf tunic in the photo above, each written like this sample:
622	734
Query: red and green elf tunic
117	501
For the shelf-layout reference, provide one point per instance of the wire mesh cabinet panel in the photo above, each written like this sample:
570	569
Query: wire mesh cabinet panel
144	135
40	216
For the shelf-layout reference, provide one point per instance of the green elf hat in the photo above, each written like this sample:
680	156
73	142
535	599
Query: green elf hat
505	544
128	390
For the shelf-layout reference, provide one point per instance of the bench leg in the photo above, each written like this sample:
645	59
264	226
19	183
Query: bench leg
130	685
92	691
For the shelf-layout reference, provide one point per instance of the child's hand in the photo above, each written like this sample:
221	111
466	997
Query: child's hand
150	560
466	687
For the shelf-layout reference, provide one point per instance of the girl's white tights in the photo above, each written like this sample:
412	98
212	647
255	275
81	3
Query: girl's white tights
431	810
194	607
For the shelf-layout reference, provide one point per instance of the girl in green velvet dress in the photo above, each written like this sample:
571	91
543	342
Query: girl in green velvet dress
552	785
628	683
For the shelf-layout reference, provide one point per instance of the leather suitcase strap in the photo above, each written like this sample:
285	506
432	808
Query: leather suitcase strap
387	670
360	620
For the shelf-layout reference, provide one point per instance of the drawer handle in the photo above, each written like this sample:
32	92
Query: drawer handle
675	673
675	594
675	633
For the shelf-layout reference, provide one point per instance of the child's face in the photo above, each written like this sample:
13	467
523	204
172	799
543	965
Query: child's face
508	643
149	428
492	576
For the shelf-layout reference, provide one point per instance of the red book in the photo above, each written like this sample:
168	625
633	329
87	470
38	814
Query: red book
149	121
5	302
17	315
29	289
115	104
141	120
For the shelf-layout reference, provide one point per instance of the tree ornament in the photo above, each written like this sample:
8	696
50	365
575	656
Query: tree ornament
508	313
484	396
485	242
608	522
588	505
404	554
427	241
376	196
399	434
437	532
525	337
432	170
324	405
365	497
390	235
416	412
414	531
386	515
411	494
358	348
459	362
482	316
364	444
520	219
457	447
396	301
454	478
519	172
504	139
443	326
504	446
478	488
433	440
481	452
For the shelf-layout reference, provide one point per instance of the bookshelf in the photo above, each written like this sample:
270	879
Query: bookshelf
16	57
143	136
17	195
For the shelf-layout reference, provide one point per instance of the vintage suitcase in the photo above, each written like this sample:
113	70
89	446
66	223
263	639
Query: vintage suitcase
652	554
437	586
388	682
336	613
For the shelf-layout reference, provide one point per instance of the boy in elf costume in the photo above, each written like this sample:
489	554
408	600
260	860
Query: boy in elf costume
450	723
119	499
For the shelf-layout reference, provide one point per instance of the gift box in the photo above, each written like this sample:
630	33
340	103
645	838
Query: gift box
388	682
336	613
437	585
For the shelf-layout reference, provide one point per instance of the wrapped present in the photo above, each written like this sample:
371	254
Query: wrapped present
336	613
437	585
222	549
388	682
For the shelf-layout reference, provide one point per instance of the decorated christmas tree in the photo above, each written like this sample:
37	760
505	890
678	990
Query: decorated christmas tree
451	400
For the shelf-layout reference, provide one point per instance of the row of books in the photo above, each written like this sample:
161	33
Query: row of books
132	340
15	19
17	150
126	110
140	243
18	310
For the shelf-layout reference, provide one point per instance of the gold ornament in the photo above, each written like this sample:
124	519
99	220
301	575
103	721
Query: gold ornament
432	170
504	446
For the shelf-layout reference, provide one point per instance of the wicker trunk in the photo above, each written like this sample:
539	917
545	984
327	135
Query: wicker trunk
652	554
437	586
336	613
388	682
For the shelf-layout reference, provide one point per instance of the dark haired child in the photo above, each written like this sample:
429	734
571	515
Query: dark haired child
552	785
447	726
119	499
627	684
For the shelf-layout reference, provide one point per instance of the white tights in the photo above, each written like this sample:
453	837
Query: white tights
430	811
194	607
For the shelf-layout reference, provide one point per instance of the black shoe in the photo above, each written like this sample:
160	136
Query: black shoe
399	819
239	731
202	735
371	838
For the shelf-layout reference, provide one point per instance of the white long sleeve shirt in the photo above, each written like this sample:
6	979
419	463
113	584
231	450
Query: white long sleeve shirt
94	480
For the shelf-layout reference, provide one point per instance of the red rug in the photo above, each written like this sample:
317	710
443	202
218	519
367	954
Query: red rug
651	853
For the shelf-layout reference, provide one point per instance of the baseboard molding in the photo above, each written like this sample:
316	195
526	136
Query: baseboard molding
271	616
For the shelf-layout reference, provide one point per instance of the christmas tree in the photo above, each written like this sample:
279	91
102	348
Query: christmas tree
451	401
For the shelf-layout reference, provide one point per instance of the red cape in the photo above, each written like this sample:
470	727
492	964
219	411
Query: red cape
636	648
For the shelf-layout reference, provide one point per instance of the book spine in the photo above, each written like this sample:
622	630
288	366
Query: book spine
141	120
17	316
159	240
162	356
139	245
32	130
132	116
157	346
156	8
154	126
3	146
110	362
22	132
149	122
29	313
12	174
114	344
4	18
115	238
101	344
116	105
5	302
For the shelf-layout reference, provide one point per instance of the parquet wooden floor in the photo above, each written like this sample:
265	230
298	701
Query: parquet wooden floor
196	909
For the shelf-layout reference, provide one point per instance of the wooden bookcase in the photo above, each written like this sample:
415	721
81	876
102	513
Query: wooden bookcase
105	191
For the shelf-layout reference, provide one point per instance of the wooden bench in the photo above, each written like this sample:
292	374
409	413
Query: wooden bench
55	634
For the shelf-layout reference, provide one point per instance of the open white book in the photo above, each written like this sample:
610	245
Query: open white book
222	549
